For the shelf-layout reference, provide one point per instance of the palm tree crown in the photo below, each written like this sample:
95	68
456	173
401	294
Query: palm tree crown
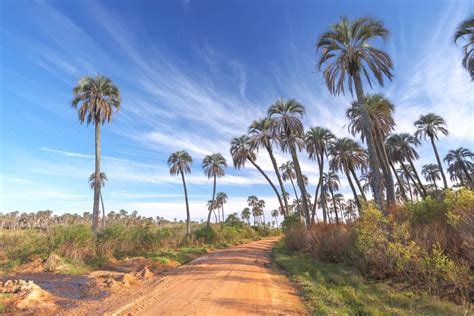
380	114
102	180
346	52
261	132
241	150
287	117
465	31
431	172
429	125
96	98
180	162
317	140
213	165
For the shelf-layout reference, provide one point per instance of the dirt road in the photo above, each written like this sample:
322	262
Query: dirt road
235	281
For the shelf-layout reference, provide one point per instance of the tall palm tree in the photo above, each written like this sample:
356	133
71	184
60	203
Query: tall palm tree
346	155
289	129
465	31
261	135
428	126
287	170
459	161
221	199
341	204
96	98
253	202
347	54
431	173
179	163
275	214
245	215
213	166
317	140
331	184
241	151
381	116
402	148
92	183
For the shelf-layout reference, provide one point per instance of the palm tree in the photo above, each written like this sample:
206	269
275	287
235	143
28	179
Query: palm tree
431	173
428	126
221	199
317	140
331	184
341	204
213	166
381	117
275	214
179	163
102	180
465	31
347	54
287	170
289	130
96	98
261	135
460	164
252	201
245	215
346	155
241	151
402	148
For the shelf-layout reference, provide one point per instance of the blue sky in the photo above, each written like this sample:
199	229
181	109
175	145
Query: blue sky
193	75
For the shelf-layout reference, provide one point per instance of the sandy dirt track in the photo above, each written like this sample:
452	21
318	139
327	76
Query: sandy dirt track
234	281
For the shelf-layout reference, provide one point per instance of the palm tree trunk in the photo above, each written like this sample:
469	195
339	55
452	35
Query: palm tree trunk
387	174
351	169
280	181
445	182
318	186
268	180
409	189
294	190
354	192
468	176
334	204
423	190
376	179
323	203
213	197
223	217
408	174
95	211
103	210
299	178
400	184
188	216
435	185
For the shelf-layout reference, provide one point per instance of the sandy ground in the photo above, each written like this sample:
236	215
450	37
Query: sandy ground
234	281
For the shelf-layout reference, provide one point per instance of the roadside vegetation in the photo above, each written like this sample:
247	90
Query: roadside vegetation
79	251
339	289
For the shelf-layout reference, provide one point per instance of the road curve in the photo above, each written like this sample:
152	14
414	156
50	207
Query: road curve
234	281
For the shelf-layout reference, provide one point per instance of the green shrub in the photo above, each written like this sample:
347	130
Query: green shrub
429	244
206	234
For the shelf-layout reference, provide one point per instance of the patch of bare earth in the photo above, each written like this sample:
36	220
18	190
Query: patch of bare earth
32	291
